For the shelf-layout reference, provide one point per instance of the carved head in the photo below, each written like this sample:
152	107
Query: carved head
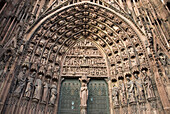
84	84
33	74
48	79
120	82
128	78
162	58
136	75
40	76
24	70
53	86
84	78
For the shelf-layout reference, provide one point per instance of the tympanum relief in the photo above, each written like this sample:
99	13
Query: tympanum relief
84	58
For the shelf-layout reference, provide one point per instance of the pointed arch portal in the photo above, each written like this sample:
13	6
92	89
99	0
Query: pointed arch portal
95	40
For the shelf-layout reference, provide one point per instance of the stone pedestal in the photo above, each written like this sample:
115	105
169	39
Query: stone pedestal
83	109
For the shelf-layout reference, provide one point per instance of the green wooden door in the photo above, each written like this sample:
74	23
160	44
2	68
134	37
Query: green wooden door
69	102
98	100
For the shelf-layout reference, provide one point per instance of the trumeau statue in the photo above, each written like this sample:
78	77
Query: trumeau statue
38	88
21	81
130	90
139	88
83	94
29	86
46	87
115	95
122	92
53	94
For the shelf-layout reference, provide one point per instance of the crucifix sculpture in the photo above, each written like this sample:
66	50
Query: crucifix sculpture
84	94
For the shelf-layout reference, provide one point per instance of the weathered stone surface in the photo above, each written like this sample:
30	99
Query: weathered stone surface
124	42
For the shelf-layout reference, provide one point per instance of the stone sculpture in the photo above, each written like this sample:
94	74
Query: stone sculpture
165	62
139	88
84	94
53	94
115	95
21	81
29	87
46	87
38	88
130	90
148	87
122	93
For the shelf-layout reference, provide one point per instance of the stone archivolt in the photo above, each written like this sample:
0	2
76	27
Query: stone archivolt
96	26
57	41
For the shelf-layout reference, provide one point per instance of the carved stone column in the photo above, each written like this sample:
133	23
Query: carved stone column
83	94
109	82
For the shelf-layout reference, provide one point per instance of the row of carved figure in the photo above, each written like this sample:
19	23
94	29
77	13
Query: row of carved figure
77	51
36	88
132	91
85	60
89	71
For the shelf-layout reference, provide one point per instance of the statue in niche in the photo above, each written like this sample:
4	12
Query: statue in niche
31	21
38	51
115	95
122	91
147	45
43	61
165	62
38	88
53	94
139	88
29	86
130	90
148	87
126	64
131	51
46	87
142	58
21	81
49	70
133	62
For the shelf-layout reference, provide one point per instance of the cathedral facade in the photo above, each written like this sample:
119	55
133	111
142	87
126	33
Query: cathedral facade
84	57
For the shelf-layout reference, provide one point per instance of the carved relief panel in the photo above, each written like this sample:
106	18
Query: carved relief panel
84	58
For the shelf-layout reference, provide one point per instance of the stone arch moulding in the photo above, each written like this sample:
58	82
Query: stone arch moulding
119	31
123	29
51	37
135	32
54	12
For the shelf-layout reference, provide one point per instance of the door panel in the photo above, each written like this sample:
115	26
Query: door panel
98	100
69	97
